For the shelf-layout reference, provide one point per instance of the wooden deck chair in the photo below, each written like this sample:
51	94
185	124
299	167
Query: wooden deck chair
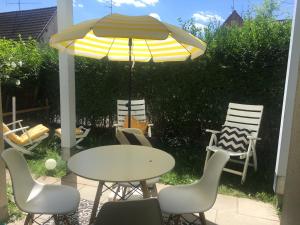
238	136
133	136
80	133
138	113
29	138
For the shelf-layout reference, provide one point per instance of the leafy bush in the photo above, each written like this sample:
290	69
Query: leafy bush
242	64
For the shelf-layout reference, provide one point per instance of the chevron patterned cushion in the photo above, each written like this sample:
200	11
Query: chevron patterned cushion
234	139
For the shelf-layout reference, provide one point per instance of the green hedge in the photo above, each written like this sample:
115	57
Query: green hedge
242	64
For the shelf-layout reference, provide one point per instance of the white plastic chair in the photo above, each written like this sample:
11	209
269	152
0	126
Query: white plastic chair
80	133
138	110
243	117
125	190
33	197
138	212
30	138
197	197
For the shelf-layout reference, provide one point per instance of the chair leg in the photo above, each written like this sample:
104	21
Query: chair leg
169	219
117	192
154	191
207	158
29	219
56	220
202	218
254	160
124	190
177	220
66	220
245	169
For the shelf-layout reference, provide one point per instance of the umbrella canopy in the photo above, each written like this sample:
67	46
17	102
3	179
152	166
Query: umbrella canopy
109	37
128	38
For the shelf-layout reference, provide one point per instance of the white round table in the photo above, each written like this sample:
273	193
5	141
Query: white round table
120	163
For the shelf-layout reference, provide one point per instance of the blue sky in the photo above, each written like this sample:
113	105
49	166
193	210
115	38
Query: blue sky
167	10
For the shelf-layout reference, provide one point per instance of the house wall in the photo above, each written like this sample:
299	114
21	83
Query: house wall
49	30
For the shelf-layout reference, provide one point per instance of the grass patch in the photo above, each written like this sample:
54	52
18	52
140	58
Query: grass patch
13	211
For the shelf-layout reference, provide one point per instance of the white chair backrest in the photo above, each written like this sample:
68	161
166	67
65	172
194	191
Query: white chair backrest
209	182
20	175
244	116
134	212
137	110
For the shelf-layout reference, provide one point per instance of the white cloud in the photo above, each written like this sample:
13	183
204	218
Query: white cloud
155	15
206	17
135	3
200	26
76	4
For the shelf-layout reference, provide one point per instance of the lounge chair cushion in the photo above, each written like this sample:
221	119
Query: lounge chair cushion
12	136
34	133
23	139
78	131
136	124
234	139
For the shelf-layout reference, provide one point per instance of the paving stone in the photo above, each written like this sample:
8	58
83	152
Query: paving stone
226	203
258	209
48	180
232	218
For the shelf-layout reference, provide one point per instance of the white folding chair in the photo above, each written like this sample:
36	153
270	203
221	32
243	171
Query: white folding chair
29	138
194	198
35	198
238	136
138	111
80	133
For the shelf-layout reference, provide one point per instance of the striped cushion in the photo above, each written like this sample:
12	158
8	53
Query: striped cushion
234	139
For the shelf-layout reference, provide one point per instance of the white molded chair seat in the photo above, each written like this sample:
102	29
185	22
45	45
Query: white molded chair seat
197	197
36	198
51	200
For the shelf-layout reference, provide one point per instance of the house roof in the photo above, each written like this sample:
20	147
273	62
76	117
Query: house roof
234	19
27	23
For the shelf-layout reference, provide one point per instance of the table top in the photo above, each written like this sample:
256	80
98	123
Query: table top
121	163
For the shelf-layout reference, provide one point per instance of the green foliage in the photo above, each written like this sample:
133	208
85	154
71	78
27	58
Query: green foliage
13	211
19	60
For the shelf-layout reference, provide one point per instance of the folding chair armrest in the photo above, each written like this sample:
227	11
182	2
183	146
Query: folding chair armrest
17	121
117	125
212	131
16	130
253	138
150	124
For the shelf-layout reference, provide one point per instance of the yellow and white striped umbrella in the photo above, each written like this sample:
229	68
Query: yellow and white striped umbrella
110	37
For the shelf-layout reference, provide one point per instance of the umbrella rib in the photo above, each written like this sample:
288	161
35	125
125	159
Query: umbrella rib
183	46
149	49
110	46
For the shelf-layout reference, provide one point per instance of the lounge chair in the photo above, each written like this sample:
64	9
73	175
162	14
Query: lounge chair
133	136
238	136
80	133
29	138
138	114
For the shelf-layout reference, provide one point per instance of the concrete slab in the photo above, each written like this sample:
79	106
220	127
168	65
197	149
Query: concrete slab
258	209
227	210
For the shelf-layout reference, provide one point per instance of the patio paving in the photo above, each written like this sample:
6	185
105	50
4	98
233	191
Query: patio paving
228	210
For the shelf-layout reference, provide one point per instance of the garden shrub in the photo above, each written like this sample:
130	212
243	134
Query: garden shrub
242	64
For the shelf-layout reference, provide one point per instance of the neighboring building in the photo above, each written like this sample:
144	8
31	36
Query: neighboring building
234	19
38	24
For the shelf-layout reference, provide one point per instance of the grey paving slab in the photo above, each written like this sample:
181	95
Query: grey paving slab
228	210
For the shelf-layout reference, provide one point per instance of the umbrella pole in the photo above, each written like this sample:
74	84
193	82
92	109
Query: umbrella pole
130	83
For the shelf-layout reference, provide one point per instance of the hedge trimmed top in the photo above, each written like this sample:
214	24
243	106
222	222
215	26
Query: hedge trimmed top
109	37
